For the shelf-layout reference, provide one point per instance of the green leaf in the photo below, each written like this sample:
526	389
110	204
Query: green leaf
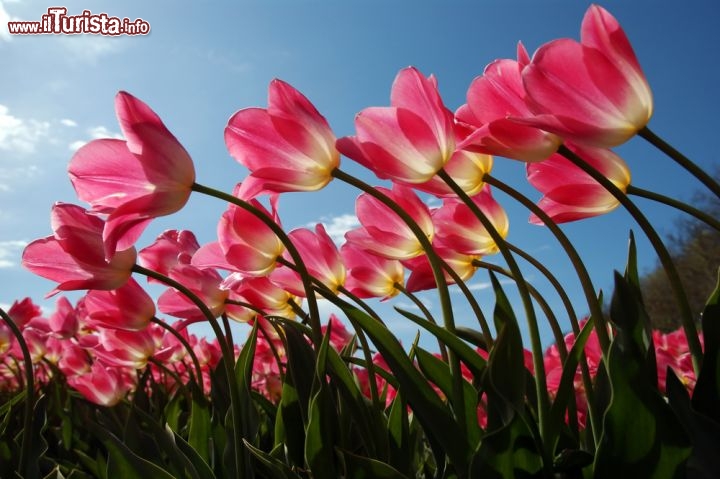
122	462
200	430
359	467
506	364
368	420
435	417
475	363
508	452
401	444
641	434
631	272
706	396
704	432
274	467
565	392
438	372
320	434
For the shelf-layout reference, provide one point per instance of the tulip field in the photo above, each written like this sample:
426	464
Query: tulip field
114	384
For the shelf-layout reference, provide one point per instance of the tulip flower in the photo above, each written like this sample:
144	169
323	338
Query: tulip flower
321	258
383	232
75	256
410	140
64	321
128	307
287	147
170	248
492	100
129	349
457	227
593	91
370	275
247	244
204	283
133	181
421	274
103	385
23	311
262	294
466	168
571	194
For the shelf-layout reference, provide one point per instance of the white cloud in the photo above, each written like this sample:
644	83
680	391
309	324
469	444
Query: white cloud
5	17
90	48
68	122
337	226
18	135
10	252
95	133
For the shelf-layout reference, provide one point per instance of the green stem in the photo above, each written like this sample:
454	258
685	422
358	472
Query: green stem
660	249
554	326
584	369
680	159
679	205
537	350
228	354
29	394
357	300
426	312
580	269
188	348
436	266
291	249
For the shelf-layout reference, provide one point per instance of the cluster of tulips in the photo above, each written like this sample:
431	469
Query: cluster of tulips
560	111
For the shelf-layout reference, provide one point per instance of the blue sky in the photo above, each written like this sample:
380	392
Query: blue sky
203	61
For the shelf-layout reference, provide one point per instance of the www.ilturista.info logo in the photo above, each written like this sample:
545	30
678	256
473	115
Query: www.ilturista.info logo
57	21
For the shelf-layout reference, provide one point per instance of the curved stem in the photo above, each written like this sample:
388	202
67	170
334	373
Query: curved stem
29	394
679	205
537	352
584	369
227	353
426	312
188	348
435	265
580	269
680	159
357	300
660	249
291	249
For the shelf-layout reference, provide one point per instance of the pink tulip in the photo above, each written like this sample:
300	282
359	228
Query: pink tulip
370	275
128	307
133	181
458	228
591	92
75	359
383	232
127	349
262	294
671	350
247	243
321	258
103	385
170	248
410	140
571	194
466	168
64	321
421	274
492	99
23	311
287	147
204	283
74	256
